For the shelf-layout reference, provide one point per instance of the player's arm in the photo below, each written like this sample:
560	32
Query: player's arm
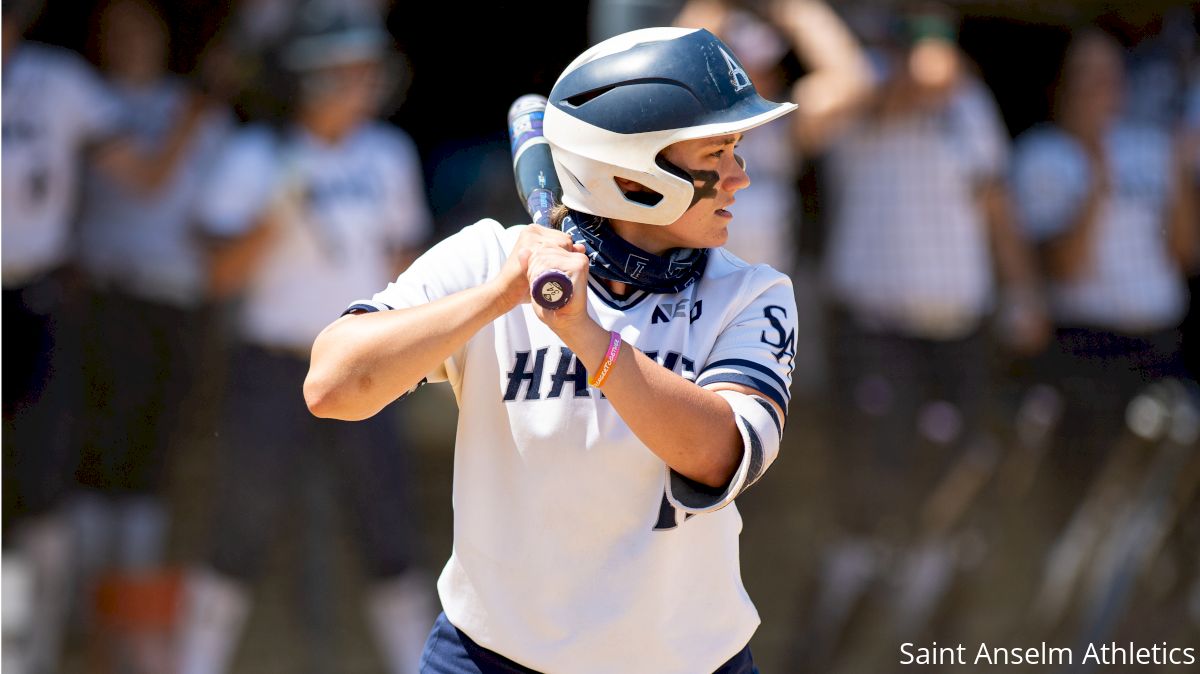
361	363
691	428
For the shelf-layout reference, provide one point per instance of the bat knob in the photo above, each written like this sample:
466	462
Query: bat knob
552	289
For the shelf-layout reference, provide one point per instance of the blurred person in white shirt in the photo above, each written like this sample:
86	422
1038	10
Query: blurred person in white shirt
1109	202
57	115
920	232
146	322
325	204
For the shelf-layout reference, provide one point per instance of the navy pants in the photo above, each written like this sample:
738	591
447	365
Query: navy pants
42	394
450	651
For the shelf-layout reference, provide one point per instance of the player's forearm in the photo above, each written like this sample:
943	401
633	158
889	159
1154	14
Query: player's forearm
362	363
690	428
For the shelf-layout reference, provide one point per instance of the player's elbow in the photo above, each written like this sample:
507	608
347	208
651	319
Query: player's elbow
319	397
719	469
326	400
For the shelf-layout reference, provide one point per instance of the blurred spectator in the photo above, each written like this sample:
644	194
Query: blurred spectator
921	218
607	18
323	207
1191	154
55	112
838	80
1109	203
767	218
146	322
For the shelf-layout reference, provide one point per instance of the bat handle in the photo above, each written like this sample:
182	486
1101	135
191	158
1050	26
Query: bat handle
552	289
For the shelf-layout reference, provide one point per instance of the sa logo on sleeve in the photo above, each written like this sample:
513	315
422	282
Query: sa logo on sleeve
783	340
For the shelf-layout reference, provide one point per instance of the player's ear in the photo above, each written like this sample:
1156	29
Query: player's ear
628	185
635	191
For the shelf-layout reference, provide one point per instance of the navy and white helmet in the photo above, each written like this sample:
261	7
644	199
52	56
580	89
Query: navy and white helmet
620	103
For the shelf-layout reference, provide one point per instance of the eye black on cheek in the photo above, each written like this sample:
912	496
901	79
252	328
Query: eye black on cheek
705	183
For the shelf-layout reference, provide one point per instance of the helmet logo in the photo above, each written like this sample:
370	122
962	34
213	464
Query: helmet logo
736	74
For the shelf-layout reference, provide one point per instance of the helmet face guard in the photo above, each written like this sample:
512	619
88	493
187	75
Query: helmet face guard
622	102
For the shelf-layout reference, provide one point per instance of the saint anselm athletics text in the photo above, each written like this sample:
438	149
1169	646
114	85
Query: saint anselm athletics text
1097	654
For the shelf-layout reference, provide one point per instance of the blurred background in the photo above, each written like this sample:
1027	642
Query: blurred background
988	210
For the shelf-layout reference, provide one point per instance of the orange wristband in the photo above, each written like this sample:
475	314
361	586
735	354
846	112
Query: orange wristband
610	359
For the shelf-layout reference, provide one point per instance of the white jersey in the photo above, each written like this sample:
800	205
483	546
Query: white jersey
569	556
146	243
1132	283
908	250
54	105
346	209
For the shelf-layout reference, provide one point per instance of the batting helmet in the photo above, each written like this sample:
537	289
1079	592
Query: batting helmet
620	103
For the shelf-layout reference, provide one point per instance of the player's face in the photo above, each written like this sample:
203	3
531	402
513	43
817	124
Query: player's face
717	174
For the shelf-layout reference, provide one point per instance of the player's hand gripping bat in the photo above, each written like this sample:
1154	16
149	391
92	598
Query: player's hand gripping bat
537	185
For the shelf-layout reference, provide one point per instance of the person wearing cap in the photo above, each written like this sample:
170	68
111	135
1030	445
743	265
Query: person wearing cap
327	203
601	445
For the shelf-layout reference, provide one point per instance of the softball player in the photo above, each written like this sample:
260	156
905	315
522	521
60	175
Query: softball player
600	447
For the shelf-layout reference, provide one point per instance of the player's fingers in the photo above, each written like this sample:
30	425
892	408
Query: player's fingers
553	237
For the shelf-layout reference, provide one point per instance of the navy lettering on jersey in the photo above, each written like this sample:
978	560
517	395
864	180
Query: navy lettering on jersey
664	312
784	341
672	362
569	370
520	374
668	516
19	131
321	194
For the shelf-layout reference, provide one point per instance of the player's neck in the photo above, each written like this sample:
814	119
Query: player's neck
619	289
649	238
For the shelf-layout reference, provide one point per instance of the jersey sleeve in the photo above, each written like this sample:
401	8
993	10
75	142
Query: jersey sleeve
982	135
96	110
239	183
460	262
1048	182
756	350
757	347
